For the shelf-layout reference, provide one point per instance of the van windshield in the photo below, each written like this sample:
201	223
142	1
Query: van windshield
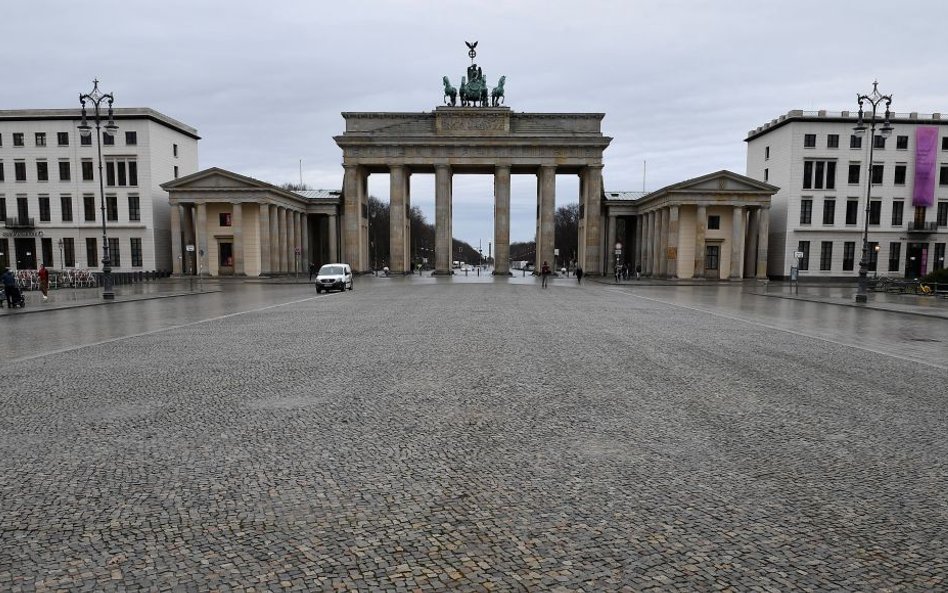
331	270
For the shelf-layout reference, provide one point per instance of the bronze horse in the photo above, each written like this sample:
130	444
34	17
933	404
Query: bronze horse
450	93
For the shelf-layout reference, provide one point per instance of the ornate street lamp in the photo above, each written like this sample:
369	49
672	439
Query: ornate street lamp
95	99
875	99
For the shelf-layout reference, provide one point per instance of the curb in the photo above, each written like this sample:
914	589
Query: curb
854	305
8	313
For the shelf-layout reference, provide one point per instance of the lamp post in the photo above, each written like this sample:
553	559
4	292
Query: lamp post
95	100
62	263
875	99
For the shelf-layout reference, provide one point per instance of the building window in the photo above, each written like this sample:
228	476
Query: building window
17	138
108	139
40	138
65	207
714	223
91	252
46	244
809	141
1	139
134	208
855	141
712	257
944	143
852	211
85	140
44	208
22	207
19	170
65	171
877	171
111	208
897	207
939	262
832	141
826	255
766	153
943	176
829	211
42	171
819	174
766	174
69	252
174	150
849	255
901	142
804	248
224	219
899	175
3	208
806	211
879	143
875	211
115	253
941	217
121	172
854	173
1	170
88	207
62	138
873	256
176	171
136	249
131	138
895	254
87	174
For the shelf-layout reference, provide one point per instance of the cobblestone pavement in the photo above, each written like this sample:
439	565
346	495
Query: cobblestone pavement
471	437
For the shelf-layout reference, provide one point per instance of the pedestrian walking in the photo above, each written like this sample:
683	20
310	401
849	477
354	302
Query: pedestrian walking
43	275
579	275
638	272
312	271
10	288
545	273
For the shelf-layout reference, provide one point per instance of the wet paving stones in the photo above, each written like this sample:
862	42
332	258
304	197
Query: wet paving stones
478	437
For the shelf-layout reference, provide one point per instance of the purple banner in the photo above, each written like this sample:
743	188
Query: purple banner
926	142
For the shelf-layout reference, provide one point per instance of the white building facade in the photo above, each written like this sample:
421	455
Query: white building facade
50	203
822	169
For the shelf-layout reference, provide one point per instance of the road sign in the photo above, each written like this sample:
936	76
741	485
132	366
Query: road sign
298	251
798	254
189	248
556	252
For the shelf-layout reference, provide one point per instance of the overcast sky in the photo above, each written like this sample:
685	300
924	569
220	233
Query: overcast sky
680	82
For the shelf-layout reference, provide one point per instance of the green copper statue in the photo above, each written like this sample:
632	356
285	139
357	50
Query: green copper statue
473	91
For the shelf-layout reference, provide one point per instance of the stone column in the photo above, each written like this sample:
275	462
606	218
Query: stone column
352	218
187	222
737	243
305	258
274	239
176	260
646	243
637	255
701	227
294	221
502	220
443	243
237	220
546	182
611	246
671	248
397	219
333	240
656	246
763	232
663	243
750	247
593	212
263	223
281	239
200	228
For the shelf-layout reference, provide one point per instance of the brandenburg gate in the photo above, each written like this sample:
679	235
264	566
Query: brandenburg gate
471	140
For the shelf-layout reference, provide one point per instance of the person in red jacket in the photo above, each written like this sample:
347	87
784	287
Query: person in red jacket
545	273
43	275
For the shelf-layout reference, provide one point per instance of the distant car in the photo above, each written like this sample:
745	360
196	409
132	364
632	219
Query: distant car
334	277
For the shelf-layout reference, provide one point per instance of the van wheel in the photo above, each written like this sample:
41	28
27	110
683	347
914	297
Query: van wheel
350	285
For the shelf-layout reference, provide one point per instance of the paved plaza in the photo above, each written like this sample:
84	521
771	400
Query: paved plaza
473	435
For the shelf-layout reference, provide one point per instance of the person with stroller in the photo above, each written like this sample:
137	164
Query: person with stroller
12	291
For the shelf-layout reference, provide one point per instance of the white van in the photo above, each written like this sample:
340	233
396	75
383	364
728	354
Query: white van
334	277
